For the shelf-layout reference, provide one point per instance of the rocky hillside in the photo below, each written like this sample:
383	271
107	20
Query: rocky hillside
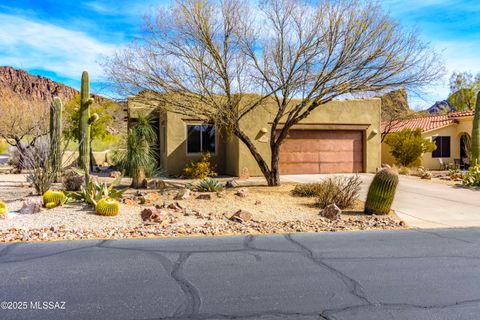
36	87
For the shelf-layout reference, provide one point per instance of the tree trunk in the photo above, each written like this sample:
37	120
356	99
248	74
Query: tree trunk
272	176
137	178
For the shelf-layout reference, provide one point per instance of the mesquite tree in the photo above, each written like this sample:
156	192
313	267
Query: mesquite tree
205	58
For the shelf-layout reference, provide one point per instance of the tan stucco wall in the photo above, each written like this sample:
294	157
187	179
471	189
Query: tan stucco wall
355	112
232	155
176	145
455	131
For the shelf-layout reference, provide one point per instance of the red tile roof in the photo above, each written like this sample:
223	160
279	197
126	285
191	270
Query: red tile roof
424	123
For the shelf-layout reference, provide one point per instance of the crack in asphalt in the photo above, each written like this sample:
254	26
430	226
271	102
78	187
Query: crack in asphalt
193	303
351	284
442	236
190	308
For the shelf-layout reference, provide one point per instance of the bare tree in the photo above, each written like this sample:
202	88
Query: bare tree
23	120
220	60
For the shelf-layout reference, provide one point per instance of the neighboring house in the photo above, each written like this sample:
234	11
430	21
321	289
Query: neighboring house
450	132
340	137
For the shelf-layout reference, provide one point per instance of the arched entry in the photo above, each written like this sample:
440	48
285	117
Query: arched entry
465	150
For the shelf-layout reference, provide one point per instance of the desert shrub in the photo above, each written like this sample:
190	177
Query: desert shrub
73	180
343	191
407	146
37	159
455	174
210	185
404	171
200	169
472	176
307	190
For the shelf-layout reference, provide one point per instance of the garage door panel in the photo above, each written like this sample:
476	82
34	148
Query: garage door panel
299	168
299	157
340	167
322	151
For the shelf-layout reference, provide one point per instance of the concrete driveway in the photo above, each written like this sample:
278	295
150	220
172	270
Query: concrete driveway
423	204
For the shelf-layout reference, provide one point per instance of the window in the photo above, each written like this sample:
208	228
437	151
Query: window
200	138
443	147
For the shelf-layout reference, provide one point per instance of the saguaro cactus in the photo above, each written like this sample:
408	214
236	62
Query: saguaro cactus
381	192
56	136
84	126
476	133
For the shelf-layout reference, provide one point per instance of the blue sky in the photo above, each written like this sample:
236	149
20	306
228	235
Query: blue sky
59	39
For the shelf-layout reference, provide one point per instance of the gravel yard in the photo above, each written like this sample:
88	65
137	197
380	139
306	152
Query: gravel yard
272	209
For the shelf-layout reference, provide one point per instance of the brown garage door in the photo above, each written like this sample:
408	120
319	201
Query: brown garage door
322	151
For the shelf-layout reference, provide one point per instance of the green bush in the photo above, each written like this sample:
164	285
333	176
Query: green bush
407	146
343	191
210	185
472	176
200	169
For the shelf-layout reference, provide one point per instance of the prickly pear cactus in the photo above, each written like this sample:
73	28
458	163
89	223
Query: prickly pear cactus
56	136
381	192
476	133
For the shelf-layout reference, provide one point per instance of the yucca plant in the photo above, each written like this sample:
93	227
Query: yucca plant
210	185
139	161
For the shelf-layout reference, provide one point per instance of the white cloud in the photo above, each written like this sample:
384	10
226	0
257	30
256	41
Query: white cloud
38	45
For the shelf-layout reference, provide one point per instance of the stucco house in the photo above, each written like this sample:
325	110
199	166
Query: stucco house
342	136
450	132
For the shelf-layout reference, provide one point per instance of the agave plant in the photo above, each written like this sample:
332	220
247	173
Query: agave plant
210	185
139	161
95	191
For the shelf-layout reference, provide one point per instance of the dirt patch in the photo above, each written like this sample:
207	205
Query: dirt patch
273	210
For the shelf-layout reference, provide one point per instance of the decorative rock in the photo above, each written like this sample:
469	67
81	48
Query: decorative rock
427	175
175	206
182	194
221	194
130	202
242	193
258	202
115	174
30	207
158	184
204	196
244	174
331	212
231	184
241	216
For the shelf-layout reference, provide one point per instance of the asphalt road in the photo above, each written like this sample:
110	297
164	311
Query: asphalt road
363	275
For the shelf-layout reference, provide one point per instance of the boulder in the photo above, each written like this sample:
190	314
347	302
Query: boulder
231	184
157	184
242	193
221	194
331	212
115	174
241	216
182	194
30	207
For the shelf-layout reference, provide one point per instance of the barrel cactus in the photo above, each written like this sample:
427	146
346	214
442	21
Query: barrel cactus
3	207
476	133
107	207
381	192
53	198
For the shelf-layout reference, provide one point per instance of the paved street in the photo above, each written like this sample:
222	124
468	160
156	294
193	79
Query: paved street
423	204
427	274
